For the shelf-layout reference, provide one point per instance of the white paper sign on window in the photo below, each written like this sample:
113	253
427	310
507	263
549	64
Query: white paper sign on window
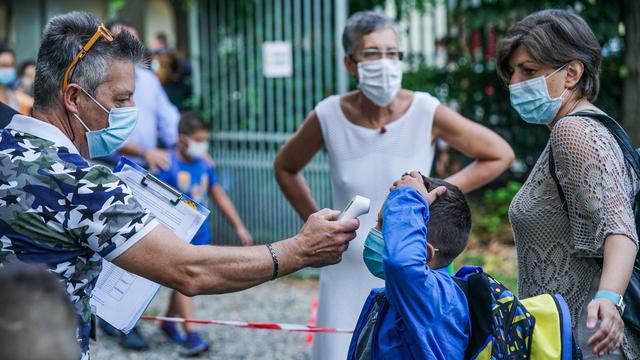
277	59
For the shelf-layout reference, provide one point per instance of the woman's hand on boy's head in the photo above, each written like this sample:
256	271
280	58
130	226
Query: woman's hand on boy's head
414	180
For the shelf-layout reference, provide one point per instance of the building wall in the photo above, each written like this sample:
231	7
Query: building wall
158	18
27	19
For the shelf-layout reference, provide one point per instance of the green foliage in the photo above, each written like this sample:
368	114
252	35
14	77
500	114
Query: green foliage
403	7
115	6
495	204
491	214
499	261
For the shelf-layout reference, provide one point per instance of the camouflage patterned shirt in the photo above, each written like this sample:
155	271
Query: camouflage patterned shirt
58	210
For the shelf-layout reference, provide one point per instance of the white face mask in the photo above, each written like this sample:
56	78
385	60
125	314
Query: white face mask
155	65
197	149
380	80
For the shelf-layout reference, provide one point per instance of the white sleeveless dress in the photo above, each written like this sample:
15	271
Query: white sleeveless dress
364	162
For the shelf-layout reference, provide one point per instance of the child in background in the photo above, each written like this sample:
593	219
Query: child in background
193	174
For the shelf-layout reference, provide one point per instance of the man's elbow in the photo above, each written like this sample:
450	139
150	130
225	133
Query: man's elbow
190	281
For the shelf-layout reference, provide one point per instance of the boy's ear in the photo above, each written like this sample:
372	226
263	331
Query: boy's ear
431	253
380	215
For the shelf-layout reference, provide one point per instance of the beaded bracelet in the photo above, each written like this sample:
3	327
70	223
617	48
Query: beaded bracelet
274	256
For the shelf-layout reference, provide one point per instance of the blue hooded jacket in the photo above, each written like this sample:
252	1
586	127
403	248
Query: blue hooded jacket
421	313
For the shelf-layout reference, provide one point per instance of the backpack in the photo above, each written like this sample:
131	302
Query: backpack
631	315
505	327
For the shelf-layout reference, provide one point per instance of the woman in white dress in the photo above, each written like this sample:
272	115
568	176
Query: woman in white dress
372	136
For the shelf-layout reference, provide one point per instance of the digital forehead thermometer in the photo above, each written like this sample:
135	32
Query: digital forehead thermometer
359	205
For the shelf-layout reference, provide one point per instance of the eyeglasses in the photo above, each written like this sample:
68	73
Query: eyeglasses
102	32
375	54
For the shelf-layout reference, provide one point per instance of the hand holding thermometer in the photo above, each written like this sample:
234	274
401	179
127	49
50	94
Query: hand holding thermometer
359	205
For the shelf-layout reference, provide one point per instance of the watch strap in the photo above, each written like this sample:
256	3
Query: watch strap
614	297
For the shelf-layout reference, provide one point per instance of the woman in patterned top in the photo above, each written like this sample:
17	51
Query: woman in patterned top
551	60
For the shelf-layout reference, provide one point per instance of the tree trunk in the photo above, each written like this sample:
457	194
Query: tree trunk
631	88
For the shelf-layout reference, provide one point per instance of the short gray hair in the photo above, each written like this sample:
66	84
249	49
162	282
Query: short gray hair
361	24
63	37
554	38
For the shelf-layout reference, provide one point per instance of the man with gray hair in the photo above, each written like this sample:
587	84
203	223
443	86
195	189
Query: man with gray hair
59	209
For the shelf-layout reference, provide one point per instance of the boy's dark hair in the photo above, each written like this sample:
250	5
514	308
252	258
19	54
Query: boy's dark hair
190	123
37	319
450	221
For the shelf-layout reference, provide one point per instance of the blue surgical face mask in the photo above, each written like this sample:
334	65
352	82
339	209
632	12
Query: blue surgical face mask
7	76
532	101
372	254
105	141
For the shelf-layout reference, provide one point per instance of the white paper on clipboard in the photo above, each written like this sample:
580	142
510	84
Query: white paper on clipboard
120	297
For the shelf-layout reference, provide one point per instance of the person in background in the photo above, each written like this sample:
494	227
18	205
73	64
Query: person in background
37	320
156	129
171	77
24	88
159	44
193	174
8	77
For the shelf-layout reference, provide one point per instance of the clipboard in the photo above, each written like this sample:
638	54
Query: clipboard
120	297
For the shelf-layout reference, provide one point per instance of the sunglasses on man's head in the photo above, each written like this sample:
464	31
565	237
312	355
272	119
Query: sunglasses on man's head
101	32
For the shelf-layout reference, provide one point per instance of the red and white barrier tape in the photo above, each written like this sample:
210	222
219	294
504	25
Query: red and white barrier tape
248	325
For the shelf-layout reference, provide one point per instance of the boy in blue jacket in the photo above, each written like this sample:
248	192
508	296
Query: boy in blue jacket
421	313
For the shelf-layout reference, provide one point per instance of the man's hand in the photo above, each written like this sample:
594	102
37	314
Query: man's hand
414	180
156	158
245	236
610	333
322	240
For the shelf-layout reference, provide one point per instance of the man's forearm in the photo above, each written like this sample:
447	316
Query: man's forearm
236	268
161	257
195	270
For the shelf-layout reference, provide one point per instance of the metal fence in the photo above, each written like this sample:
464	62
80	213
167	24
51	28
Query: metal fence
251	115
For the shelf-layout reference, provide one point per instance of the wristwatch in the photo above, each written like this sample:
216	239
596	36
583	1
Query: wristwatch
616	299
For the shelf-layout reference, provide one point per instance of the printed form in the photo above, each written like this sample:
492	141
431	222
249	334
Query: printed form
120	297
